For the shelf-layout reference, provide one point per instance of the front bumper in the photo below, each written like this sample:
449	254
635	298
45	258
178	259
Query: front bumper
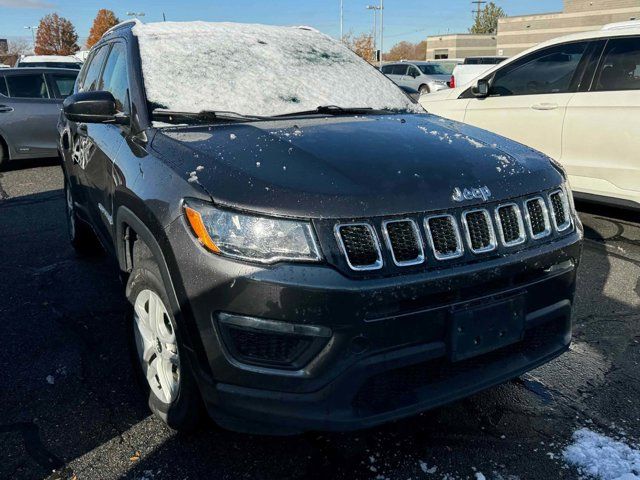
387	357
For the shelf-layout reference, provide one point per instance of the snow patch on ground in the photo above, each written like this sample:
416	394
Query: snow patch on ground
257	70
602	457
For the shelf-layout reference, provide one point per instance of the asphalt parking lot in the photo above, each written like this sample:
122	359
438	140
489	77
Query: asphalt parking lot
71	407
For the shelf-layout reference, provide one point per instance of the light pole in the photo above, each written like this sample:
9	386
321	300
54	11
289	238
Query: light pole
33	33
381	31
375	25
342	20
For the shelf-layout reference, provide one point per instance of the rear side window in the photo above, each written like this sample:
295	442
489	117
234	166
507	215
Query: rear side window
387	69
620	66
115	77
3	87
27	86
399	70
62	84
550	70
92	75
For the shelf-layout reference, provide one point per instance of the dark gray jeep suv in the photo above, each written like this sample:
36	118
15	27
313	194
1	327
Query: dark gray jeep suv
304	248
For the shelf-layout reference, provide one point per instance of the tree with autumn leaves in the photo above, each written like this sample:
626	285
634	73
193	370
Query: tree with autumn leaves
56	36
105	19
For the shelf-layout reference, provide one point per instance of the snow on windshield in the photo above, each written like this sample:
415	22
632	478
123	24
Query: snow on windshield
256	70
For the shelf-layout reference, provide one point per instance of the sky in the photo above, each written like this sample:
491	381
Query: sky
410	20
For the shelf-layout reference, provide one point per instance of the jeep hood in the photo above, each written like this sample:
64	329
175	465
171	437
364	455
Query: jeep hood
350	167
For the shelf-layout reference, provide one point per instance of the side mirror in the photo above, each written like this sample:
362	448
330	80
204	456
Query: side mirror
482	88
92	107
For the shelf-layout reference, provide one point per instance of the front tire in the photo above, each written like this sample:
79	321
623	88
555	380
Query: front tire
424	89
159	351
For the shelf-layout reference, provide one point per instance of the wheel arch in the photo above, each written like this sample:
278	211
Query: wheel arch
4	144
130	228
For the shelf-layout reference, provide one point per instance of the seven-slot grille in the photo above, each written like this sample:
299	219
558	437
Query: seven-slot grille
403	238
479	231
537	218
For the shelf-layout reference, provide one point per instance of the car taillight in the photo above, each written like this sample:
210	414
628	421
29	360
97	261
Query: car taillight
452	82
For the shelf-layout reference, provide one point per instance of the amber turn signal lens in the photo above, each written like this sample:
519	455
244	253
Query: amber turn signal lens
200	231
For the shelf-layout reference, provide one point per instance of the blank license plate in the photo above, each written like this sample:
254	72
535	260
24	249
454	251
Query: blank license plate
485	328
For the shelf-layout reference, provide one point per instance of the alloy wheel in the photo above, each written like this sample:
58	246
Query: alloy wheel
157	346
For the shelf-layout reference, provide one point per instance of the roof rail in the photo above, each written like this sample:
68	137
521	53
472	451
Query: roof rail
134	21
622	25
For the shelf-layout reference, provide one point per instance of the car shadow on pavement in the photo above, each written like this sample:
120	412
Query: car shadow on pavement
73	403
14	165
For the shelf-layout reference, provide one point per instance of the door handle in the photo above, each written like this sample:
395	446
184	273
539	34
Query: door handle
544	106
5	109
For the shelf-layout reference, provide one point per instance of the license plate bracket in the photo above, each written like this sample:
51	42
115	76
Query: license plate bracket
480	329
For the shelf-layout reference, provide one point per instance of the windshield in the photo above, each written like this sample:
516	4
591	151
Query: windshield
257	70
434	69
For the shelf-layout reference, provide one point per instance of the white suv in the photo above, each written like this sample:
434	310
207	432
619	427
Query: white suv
575	98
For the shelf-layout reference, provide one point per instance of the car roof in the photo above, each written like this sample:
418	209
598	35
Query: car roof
39	70
49	58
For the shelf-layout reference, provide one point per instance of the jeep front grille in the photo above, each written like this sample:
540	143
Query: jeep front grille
510	224
404	241
479	230
444	236
459	234
537	218
360	245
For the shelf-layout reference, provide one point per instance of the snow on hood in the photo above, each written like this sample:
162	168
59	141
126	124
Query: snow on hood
256	70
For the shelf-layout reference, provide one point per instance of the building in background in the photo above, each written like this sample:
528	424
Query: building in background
516	34
460	45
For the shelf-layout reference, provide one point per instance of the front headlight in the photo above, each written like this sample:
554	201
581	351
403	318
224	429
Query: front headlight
251	237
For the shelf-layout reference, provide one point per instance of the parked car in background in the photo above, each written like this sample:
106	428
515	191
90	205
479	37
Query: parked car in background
424	77
49	61
315	254
471	68
575	98
30	104
4	65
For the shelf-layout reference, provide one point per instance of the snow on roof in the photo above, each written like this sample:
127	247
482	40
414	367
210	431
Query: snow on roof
49	58
256	70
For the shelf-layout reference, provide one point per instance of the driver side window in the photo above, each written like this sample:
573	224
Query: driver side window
550	70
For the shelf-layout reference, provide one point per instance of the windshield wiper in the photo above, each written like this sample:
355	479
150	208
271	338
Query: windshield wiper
204	116
332	110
